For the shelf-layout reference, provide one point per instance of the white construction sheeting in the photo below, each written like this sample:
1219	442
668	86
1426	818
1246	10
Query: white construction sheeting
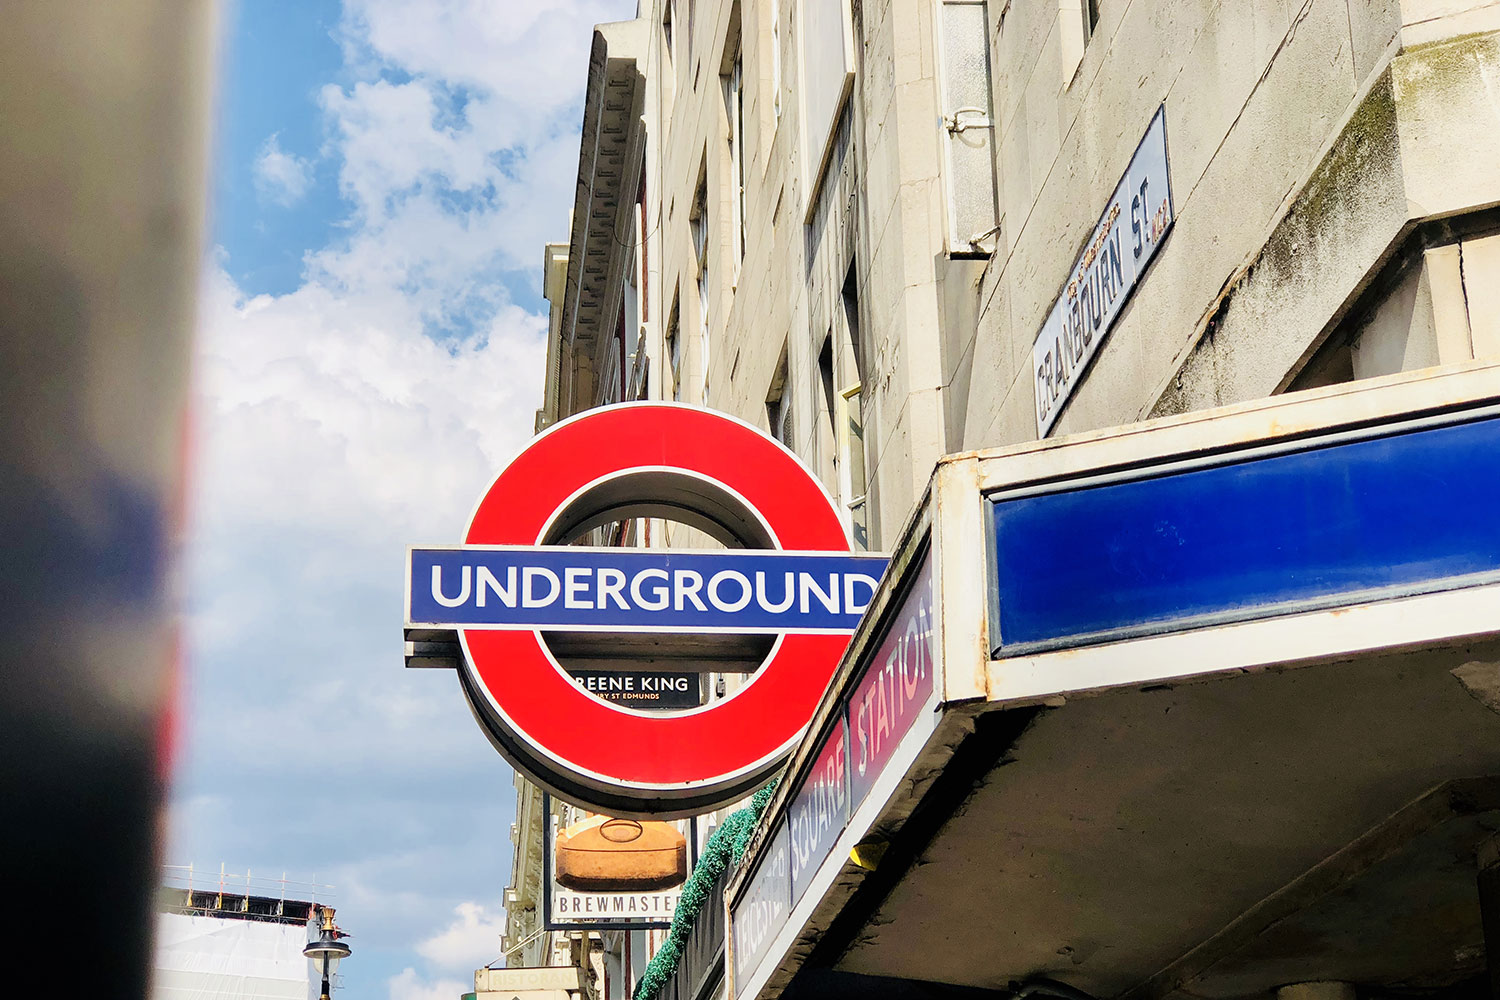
209	958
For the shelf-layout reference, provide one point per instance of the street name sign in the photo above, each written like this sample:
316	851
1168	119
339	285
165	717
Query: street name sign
1111	264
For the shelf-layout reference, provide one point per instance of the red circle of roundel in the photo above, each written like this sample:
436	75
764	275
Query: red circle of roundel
586	735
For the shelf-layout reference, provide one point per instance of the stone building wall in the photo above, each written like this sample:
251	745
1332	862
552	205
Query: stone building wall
1308	142
836	286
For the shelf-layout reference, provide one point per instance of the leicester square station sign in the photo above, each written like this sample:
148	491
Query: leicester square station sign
786	572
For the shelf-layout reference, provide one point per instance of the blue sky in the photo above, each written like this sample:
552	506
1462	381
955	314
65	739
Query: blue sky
370	353
277	56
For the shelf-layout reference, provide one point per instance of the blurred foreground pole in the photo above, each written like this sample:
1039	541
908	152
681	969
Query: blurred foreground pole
104	112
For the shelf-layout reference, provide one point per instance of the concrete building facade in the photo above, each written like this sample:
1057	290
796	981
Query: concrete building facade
861	225
864	255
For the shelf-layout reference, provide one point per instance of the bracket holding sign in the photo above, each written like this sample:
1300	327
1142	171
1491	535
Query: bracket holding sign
523	613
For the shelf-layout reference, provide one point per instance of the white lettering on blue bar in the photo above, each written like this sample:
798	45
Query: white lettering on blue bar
572	588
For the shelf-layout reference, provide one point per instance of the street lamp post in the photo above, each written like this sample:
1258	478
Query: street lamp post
327	950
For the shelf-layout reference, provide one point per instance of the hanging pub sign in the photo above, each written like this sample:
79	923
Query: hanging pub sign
643	689
602	872
541	622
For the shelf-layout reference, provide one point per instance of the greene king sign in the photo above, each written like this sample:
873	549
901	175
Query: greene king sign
786	573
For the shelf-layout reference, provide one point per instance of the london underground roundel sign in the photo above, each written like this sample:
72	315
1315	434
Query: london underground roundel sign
786	573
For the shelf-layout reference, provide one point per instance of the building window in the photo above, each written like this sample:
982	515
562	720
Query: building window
637	298
673	351
1431	306
734	107
776	59
1090	14
698	224
668	58
643	255
825	441
853	490
779	403
630	327
609	370
969	140
1077	20
849	421
854	342
825	78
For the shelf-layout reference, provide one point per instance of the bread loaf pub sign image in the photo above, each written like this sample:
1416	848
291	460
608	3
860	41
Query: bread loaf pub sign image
536	624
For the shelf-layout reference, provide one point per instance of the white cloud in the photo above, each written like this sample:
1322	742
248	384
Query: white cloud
531	55
470	941
485	114
362	412
376	169
281	177
407	985
336	414
333	431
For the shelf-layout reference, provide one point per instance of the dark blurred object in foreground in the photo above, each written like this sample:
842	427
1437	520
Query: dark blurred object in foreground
104	110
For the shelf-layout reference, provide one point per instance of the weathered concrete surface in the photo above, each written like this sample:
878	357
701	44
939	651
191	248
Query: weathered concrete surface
1112	814
1305	139
1340	226
1412	151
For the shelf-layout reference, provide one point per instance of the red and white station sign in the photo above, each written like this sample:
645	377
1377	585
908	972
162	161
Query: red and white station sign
695	466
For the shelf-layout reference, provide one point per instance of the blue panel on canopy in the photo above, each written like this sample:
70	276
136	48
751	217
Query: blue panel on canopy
1324	526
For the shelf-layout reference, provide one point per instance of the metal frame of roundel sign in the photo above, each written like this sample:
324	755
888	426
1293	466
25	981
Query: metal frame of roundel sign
787	570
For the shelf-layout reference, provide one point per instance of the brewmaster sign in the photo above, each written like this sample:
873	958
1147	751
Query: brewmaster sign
603	872
787	574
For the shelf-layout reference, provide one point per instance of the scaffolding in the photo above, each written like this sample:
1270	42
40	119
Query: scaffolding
234	896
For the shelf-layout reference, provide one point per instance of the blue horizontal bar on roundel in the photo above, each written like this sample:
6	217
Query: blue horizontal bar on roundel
569	588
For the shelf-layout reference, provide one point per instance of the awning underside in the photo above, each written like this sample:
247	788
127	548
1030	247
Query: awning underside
1217	839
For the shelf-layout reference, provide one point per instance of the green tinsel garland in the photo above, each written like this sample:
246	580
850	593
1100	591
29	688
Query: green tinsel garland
723	850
